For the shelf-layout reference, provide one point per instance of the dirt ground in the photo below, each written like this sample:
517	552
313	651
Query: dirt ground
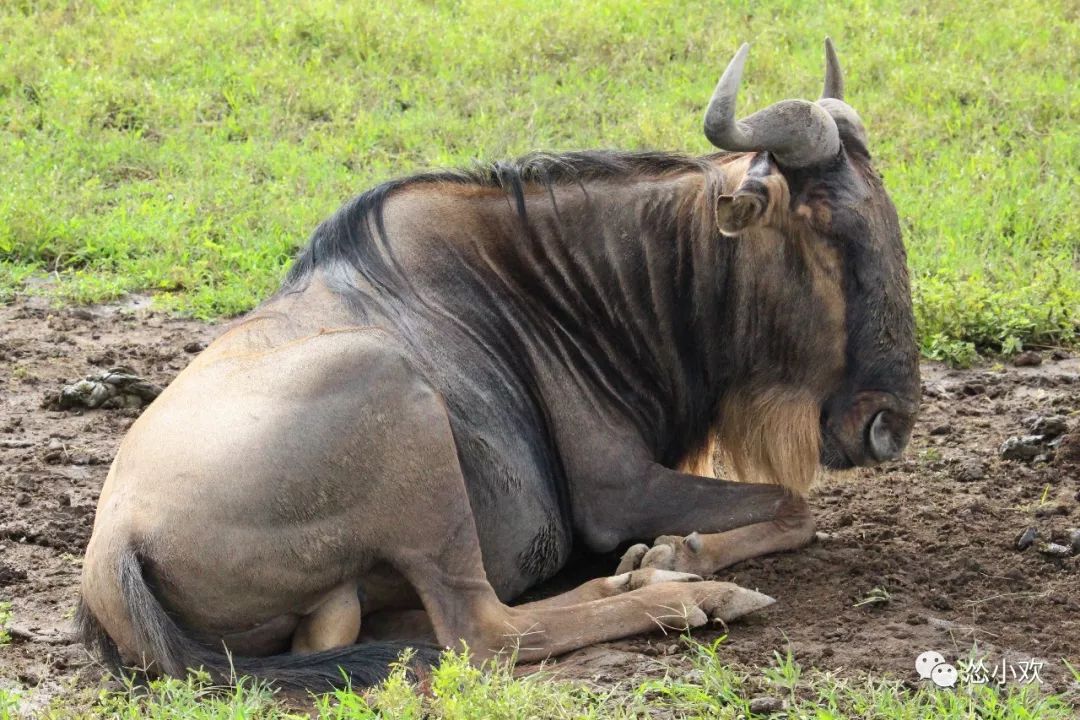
920	554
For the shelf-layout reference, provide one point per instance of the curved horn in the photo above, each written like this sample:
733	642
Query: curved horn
834	76
796	132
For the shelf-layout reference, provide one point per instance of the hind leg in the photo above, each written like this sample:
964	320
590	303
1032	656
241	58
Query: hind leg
443	563
466	612
605	587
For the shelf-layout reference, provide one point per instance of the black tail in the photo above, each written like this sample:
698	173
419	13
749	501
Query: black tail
168	650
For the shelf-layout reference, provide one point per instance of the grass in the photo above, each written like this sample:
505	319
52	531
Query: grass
5	618
189	148
456	690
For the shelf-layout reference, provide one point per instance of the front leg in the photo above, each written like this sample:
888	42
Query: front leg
723	522
705	554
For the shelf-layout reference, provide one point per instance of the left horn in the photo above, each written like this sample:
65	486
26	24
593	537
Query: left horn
797	133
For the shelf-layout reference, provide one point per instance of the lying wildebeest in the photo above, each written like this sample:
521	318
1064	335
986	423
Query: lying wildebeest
466	374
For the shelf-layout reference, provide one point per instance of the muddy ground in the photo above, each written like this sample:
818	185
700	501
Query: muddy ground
917	555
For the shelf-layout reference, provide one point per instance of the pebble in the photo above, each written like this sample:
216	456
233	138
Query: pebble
1050	510
1026	538
973	388
194	347
1029	358
22	499
1055	550
941	430
1049	427
765	705
971	471
1025	447
1074	540
81	314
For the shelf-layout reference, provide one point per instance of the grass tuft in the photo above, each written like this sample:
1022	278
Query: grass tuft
703	685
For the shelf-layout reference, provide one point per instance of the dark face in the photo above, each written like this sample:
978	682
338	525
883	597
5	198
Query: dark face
868	418
865	366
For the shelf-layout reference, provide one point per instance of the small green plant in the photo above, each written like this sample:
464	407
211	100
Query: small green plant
877	596
785	672
5	618
931	455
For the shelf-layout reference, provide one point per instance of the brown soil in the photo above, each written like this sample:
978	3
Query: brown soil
936	531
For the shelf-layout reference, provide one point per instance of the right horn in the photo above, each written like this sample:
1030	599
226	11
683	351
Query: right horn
834	76
797	133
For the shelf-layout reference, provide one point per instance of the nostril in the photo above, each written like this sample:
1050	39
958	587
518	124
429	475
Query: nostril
884	440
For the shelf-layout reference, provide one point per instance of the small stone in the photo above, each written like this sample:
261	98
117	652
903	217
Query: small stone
194	346
1055	550
81	314
765	705
1049	427
1068	451
1026	538
104	357
1045	511
941	601
971	471
1059	354
1029	358
1024	447
1074	540
22	499
941	430
671	650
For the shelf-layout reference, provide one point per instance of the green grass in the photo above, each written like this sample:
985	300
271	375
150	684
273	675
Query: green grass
5	618
456	690
190	147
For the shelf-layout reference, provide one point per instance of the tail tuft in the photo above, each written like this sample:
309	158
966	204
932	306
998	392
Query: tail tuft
166	649
92	634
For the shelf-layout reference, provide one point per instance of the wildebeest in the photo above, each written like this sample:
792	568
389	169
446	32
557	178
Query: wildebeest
467	374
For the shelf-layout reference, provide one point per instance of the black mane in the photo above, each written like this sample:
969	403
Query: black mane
345	237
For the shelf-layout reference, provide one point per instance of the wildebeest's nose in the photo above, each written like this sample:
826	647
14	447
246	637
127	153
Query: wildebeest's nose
887	436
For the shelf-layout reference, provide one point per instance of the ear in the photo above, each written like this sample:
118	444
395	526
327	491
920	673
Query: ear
761	193
735	214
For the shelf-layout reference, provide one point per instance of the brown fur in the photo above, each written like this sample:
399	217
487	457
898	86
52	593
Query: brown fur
700	460
771	436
